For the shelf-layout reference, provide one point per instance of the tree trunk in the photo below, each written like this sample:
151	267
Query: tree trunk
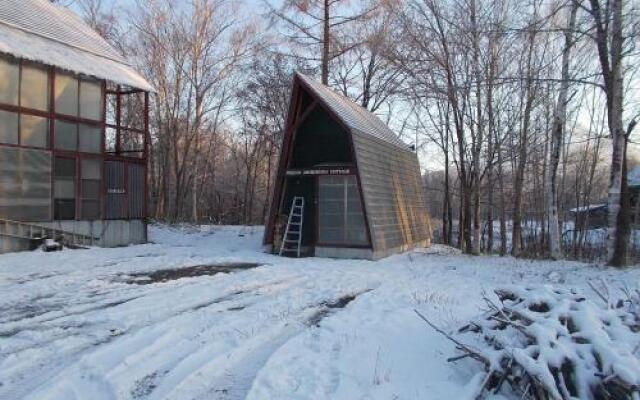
618	236
557	136
326	39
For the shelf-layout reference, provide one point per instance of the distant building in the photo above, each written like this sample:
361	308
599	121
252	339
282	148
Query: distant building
591	216
73	131
361	185
595	216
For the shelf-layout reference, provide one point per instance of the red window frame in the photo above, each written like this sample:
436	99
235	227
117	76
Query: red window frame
52	116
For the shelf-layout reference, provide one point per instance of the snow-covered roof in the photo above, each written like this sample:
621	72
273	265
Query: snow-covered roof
589	207
38	30
356	117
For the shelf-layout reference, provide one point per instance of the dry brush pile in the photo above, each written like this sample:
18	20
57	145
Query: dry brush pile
547	343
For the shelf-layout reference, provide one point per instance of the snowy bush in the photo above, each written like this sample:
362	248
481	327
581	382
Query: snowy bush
549	343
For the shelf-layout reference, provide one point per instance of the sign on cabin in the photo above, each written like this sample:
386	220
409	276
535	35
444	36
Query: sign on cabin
332	171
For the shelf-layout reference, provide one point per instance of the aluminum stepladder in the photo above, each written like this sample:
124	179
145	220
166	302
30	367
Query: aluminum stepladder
294	227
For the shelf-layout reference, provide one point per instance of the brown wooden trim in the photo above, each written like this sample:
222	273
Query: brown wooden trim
52	135
147	143
279	184
71	118
135	130
19	146
24	110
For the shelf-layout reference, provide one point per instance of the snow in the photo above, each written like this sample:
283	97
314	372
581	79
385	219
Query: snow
39	31
74	325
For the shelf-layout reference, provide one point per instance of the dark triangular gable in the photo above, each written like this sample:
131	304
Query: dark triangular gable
388	172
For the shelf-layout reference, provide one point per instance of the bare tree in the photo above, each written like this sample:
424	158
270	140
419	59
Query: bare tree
320	24
608	22
557	136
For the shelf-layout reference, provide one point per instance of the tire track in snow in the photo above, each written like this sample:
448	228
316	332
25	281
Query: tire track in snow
67	365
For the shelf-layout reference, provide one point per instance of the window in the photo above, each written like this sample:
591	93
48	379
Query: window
90	185
64	188
110	139
25	187
91	100
66	87
131	143
340	216
66	136
132	110
90	139
8	127
34	131
9	78
34	88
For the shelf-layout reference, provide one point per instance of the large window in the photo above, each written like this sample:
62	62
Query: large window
8	127
34	131
340	217
66	94
91	100
78	97
28	90
34	88
9	78
25	184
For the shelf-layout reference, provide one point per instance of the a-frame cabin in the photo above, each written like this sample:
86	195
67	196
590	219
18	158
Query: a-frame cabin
362	186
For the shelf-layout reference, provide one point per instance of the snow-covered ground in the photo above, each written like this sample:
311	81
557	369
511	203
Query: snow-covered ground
75	325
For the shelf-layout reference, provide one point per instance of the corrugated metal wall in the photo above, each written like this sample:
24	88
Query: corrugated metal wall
136	191
116	190
25	184
393	193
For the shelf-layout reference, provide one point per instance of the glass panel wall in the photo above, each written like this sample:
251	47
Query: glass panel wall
66	87
340	216
25	184
90	139
64	188
9	78
34	88
8	127
66	135
90	184
91	100
68	127
34	131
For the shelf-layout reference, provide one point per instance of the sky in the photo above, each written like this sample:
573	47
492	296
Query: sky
430	156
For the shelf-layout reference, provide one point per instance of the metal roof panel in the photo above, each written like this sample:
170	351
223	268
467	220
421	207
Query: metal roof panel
40	31
356	117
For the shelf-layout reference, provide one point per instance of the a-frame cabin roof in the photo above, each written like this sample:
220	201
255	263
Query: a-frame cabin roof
355	117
